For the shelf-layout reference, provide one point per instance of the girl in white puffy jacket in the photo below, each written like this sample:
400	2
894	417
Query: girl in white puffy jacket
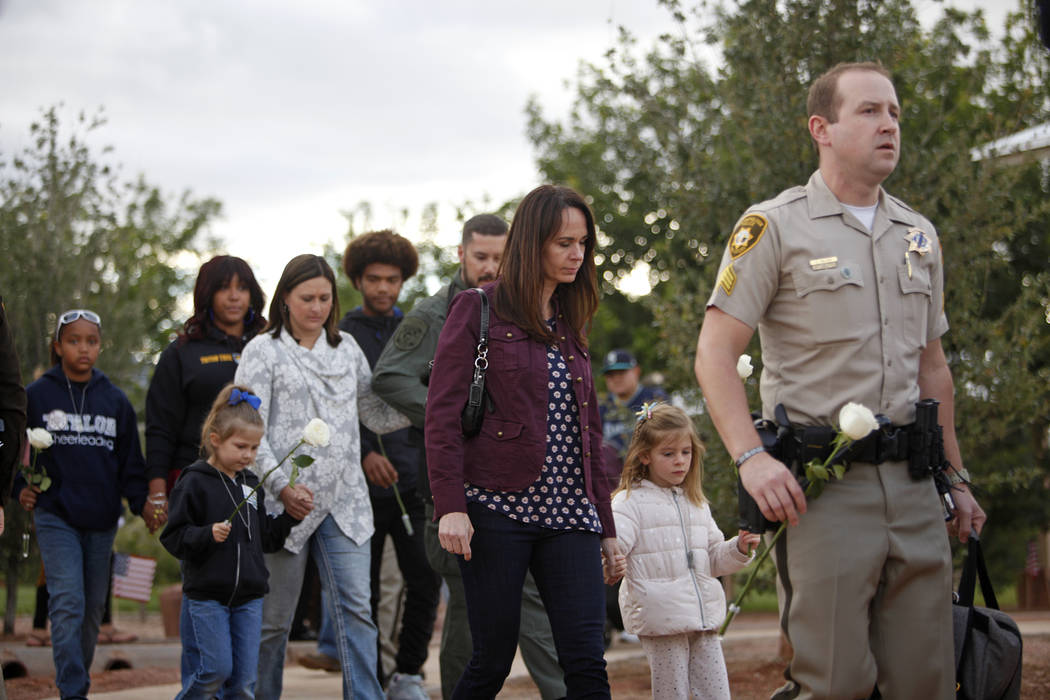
674	550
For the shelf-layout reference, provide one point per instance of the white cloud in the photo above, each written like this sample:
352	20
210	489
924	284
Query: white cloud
290	112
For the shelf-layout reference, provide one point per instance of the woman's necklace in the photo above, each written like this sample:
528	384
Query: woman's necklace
242	514
83	399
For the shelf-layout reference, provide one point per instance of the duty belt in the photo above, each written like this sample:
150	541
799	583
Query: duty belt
890	443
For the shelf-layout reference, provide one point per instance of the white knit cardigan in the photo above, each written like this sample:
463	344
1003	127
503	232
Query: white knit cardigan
297	384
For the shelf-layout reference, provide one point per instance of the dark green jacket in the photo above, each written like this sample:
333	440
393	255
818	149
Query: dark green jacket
400	374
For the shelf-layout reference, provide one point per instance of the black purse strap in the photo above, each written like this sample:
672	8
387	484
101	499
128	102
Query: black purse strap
483	338
974	570
481	359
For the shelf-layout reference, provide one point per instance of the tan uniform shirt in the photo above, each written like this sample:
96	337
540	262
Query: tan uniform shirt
843	313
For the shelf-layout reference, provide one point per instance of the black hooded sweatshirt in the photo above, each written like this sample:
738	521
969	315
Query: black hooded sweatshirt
231	572
403	447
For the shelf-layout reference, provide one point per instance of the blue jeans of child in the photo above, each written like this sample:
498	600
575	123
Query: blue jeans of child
567	567
343	566
225	644
76	563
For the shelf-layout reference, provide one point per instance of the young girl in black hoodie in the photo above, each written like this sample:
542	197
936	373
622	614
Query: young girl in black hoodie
223	572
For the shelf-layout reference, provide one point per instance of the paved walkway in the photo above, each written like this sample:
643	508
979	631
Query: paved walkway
304	684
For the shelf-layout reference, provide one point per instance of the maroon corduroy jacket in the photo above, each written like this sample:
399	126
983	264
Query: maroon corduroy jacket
509	452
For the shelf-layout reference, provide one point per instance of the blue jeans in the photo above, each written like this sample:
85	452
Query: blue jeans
568	571
224	644
76	563
343	567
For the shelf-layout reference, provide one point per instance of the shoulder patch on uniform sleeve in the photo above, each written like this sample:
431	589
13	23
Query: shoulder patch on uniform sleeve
746	234
727	279
410	333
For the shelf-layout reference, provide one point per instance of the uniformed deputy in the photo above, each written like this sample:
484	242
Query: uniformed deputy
844	284
396	378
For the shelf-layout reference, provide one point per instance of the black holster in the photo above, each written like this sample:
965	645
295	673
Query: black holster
921	444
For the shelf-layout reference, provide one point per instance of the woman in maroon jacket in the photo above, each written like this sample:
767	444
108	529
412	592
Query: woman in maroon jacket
528	492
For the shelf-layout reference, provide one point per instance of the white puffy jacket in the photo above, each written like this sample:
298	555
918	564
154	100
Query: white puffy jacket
663	592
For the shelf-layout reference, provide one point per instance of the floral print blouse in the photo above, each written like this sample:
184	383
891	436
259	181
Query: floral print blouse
331	383
557	500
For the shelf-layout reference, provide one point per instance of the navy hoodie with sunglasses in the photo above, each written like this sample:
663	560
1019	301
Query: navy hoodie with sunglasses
96	459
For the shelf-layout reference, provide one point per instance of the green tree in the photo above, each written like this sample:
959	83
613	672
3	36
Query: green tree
74	234
672	151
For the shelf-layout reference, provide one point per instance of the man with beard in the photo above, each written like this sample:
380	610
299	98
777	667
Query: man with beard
399	378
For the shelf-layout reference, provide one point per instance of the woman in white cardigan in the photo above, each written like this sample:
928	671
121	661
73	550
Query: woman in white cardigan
303	367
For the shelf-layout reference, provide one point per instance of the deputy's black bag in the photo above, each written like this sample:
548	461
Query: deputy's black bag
987	641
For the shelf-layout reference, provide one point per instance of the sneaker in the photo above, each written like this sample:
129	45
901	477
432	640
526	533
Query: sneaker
406	686
321	661
628	638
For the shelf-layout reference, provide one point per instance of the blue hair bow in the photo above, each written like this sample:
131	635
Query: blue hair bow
238	396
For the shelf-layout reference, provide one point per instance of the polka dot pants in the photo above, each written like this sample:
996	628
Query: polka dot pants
687	666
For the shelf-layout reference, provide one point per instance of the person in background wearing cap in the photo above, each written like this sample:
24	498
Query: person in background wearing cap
626	395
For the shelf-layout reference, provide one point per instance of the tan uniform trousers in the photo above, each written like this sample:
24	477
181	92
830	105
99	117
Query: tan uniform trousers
864	583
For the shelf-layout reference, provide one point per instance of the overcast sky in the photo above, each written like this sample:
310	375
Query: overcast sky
289	112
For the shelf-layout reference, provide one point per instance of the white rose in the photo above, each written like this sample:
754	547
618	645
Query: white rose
856	421
743	366
316	433
40	438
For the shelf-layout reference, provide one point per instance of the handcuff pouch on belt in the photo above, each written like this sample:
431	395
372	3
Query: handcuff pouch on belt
920	444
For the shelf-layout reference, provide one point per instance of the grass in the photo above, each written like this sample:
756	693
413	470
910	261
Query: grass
27	601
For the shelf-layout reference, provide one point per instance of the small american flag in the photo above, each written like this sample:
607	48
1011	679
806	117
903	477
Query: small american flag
133	576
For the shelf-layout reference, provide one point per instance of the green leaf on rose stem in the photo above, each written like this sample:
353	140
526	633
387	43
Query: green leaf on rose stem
302	461
816	472
35	479
816	488
45	483
840	470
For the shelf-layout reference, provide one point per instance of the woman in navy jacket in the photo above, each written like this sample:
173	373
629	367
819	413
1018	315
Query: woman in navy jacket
528	492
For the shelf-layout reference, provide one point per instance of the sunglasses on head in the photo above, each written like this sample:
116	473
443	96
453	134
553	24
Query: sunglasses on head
75	315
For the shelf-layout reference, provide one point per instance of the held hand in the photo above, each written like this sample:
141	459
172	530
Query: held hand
155	512
746	542
614	564
220	531
27	497
379	470
968	514
774	488
1	520
454	533
298	501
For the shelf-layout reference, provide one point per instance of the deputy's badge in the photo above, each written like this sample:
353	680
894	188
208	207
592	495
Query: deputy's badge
746	234
410	333
727	279
918	241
